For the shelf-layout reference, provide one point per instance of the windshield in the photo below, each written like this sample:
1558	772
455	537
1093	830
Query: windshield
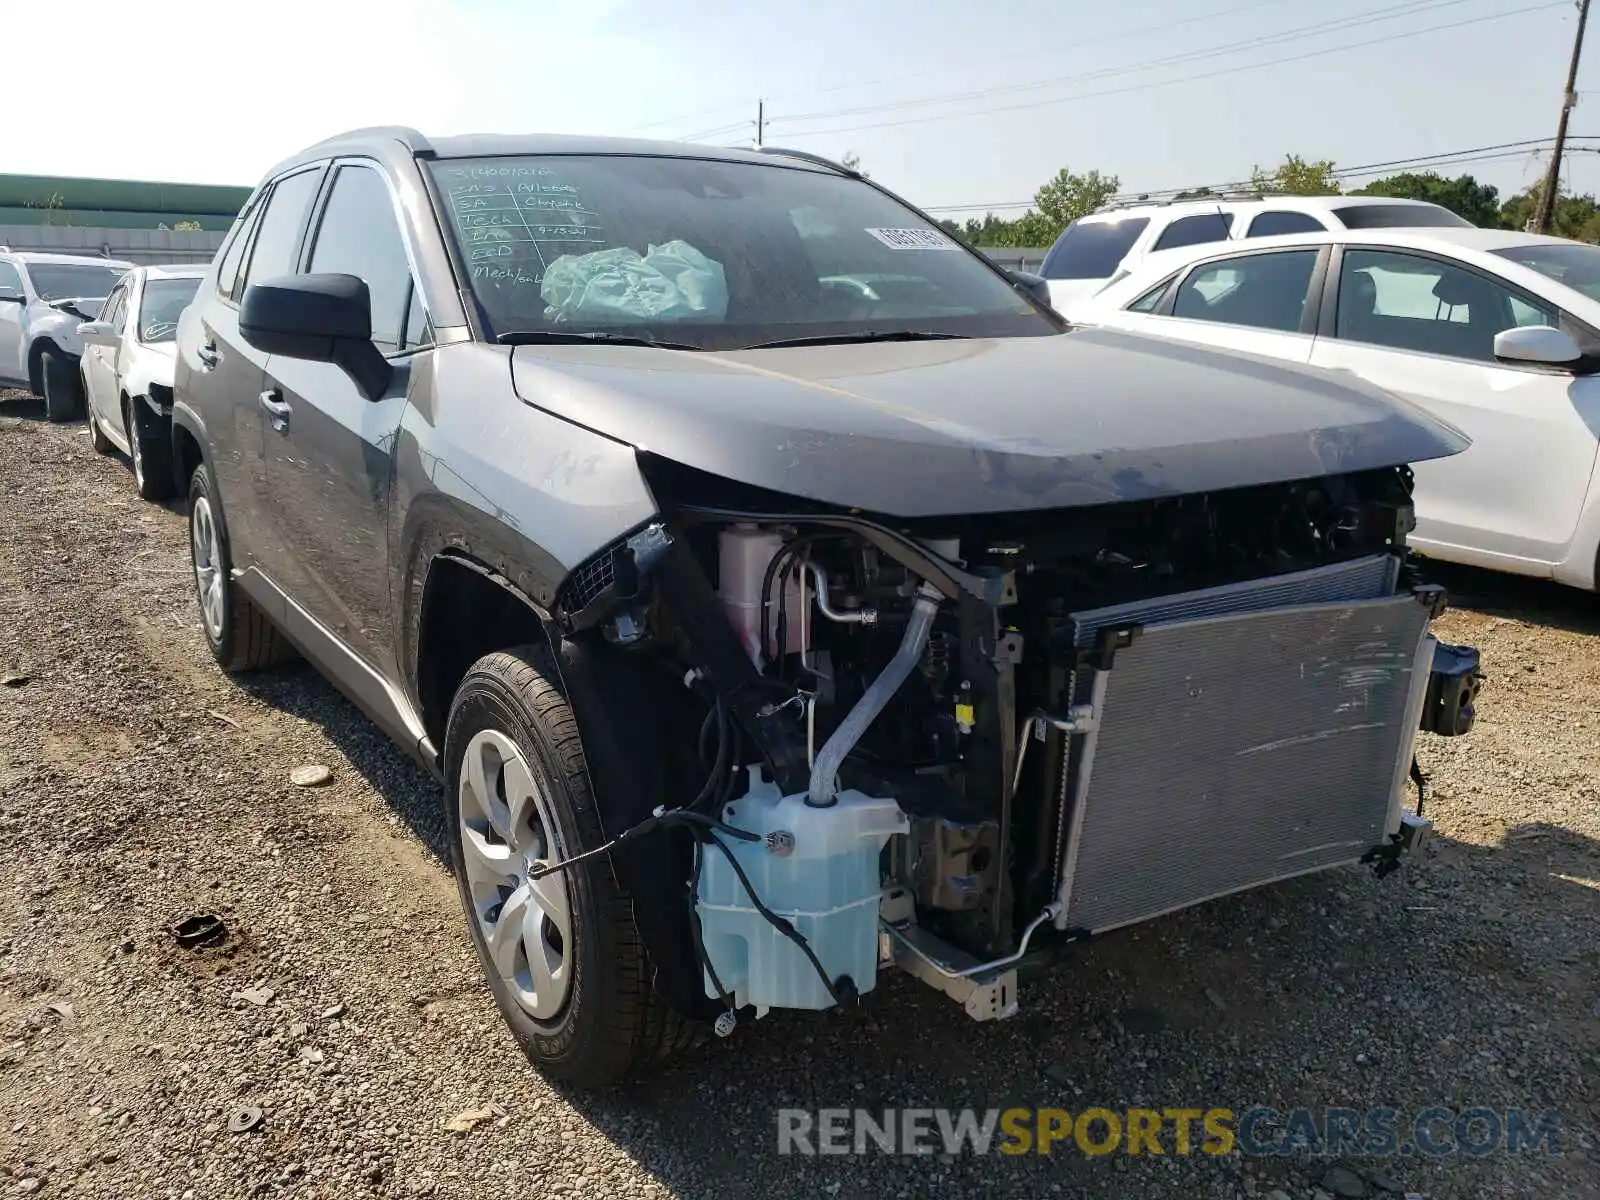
710	255
1092	249
163	303
57	281
1400	216
1572	264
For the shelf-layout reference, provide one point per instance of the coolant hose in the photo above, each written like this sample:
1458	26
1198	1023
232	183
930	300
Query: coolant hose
825	770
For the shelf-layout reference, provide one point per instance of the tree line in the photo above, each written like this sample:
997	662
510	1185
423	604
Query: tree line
1068	196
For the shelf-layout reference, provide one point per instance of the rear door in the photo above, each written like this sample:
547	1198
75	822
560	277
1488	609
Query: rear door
1422	326
328	447
220	376
1260	302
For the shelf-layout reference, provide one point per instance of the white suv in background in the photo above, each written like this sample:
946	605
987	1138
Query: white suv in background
1103	246
43	300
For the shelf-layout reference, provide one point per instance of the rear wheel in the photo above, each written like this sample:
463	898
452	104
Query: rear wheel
562	953
150	447
97	437
239	634
63	386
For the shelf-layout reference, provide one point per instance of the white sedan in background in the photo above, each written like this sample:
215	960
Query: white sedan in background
1496	332
128	363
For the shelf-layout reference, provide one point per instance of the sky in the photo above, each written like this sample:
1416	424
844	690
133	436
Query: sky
950	104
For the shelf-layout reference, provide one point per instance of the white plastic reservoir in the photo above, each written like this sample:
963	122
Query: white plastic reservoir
743	554
827	885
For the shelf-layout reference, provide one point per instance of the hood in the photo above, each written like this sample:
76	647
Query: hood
918	429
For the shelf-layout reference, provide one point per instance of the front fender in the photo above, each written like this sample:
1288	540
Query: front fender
146	369
54	326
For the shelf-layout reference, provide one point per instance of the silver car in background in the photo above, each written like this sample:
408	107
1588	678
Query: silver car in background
127	368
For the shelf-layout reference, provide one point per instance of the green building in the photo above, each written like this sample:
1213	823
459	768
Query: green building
116	203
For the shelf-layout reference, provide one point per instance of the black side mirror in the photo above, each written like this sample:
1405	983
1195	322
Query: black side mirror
1034	285
322	318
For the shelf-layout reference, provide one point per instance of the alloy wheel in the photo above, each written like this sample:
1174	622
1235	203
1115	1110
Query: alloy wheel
206	547
508	831
135	451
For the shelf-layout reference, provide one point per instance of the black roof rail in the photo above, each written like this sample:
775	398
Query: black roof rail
806	156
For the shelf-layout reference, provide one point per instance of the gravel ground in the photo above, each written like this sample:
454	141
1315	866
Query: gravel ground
138	785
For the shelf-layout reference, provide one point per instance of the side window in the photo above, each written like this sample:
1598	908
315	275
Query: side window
1407	302
10	280
1262	291
115	311
278	235
1191	231
1151	299
358	235
1270	224
233	255
1524	313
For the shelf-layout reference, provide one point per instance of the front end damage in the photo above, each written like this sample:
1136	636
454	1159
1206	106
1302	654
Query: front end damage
954	745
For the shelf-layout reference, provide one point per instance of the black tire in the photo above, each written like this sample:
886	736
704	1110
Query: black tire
241	638
611	1022
63	387
97	438
150	447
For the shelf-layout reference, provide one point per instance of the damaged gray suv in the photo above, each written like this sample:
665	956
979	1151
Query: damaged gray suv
782	593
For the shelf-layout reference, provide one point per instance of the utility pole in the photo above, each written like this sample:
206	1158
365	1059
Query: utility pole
761	112
1552	179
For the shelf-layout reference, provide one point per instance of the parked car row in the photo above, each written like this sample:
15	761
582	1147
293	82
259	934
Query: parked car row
781	592
1493	331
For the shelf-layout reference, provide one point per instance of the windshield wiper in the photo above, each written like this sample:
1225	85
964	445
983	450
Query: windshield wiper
861	335
578	337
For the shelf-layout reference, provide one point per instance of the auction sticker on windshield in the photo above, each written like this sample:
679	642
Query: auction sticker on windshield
913	239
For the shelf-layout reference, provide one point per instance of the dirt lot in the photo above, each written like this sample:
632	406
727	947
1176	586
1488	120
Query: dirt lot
138	785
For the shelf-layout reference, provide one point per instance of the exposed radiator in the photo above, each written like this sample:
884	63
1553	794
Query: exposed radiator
1248	734
1358	579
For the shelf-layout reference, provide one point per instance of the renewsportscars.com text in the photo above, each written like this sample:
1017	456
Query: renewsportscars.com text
1258	1132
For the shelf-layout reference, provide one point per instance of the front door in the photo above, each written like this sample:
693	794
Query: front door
329	447
100	361
13	303
1424	329
219	374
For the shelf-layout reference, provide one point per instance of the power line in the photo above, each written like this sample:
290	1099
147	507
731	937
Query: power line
1120	91
1335	25
717	132
1055	51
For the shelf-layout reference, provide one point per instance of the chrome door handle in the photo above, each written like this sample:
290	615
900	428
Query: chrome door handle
206	352
276	408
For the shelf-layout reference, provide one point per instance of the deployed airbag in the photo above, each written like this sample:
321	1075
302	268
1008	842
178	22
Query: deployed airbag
671	282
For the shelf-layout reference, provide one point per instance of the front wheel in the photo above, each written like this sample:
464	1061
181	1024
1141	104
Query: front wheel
562	953
150	447
63	387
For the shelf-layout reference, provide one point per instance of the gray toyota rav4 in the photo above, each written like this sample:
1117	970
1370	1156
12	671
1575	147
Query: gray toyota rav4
780	591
